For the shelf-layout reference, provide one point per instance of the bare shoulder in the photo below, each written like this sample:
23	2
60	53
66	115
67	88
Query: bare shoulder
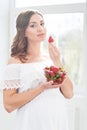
13	60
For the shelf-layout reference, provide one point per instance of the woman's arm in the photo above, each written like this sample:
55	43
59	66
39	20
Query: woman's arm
66	87
13	100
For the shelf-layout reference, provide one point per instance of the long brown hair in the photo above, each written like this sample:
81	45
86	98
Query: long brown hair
20	44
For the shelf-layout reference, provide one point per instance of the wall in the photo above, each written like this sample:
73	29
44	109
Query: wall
4	17
5	120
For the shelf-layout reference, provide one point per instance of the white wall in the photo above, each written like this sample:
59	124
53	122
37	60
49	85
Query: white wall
5	118
4	16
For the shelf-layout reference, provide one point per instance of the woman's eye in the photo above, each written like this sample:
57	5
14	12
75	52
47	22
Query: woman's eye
36	25
33	26
42	24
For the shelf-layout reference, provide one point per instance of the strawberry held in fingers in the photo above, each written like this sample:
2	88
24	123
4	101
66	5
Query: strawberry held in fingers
50	40
55	74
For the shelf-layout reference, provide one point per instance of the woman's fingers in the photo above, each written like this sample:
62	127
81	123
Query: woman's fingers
53	49
54	52
50	84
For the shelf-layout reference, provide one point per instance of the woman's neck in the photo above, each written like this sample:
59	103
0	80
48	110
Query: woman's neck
34	50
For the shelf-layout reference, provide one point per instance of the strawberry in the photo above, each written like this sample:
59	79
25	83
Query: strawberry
50	40
54	69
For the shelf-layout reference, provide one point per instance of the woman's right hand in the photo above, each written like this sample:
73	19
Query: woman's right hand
49	84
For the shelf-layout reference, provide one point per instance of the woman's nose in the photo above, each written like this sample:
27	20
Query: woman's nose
39	28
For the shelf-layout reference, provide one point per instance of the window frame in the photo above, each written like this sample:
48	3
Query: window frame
53	9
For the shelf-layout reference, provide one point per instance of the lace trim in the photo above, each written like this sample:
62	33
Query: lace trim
11	84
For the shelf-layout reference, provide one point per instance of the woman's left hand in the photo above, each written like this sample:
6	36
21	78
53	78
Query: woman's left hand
54	54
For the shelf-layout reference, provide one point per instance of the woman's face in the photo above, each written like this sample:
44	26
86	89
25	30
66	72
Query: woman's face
36	31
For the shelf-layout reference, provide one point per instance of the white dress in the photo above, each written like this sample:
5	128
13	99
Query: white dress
48	110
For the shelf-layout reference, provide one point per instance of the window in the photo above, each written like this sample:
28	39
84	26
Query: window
68	32
65	21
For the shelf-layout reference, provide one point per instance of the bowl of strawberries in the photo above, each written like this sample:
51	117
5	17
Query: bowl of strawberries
57	75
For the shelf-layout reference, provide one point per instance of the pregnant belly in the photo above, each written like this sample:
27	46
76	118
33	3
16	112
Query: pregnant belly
50	101
46	112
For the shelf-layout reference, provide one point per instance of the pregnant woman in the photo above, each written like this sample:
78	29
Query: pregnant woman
40	104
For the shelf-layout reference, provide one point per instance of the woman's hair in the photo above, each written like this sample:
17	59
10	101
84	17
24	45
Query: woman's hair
20	44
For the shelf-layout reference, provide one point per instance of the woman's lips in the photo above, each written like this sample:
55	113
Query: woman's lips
41	35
